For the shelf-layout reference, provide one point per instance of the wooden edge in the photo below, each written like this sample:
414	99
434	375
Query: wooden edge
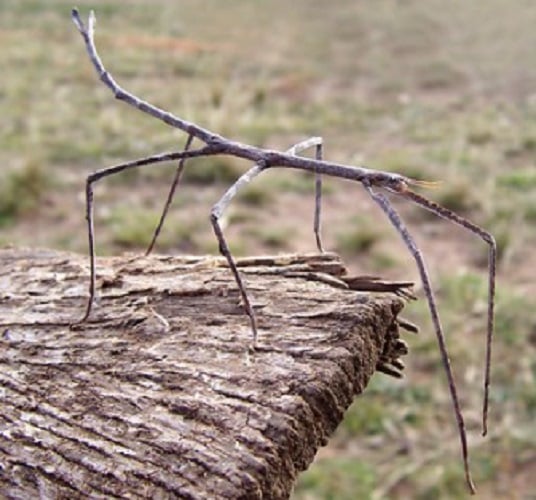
159	395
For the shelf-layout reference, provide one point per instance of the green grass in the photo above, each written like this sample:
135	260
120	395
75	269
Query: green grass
295	182
133	228
382	261
22	190
518	180
272	238
338	478
403	162
359	237
459	197
212	170
256	195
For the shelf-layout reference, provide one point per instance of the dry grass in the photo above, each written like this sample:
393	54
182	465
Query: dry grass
434	92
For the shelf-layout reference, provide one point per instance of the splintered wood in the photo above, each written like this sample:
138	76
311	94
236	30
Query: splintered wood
157	395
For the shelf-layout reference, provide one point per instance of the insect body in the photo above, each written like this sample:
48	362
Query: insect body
373	182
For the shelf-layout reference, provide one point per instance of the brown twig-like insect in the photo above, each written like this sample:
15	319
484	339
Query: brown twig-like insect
215	144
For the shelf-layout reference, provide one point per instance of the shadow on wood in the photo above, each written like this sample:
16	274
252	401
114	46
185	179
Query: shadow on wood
159	395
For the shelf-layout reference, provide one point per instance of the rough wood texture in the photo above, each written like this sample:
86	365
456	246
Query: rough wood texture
158	396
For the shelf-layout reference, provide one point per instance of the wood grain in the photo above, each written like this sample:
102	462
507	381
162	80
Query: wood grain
159	395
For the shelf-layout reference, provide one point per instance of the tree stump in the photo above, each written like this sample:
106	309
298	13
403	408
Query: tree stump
159	394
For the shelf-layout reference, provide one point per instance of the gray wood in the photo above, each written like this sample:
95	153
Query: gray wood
159	395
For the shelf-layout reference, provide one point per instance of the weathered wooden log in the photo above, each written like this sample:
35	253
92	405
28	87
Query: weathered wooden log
159	395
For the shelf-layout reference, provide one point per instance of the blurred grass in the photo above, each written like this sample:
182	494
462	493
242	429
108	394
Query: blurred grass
359	237
21	191
431	92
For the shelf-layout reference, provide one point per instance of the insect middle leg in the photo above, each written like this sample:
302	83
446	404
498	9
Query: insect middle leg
217	212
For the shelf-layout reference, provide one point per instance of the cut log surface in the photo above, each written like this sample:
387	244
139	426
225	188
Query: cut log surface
159	394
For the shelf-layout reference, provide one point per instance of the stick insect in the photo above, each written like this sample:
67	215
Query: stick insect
373	182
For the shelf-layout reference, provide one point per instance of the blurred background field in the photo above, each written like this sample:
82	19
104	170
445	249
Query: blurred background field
434	90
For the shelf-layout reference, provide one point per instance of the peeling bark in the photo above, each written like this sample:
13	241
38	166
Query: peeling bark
159	395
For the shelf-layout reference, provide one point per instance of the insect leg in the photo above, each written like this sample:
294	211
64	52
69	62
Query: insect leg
396	221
